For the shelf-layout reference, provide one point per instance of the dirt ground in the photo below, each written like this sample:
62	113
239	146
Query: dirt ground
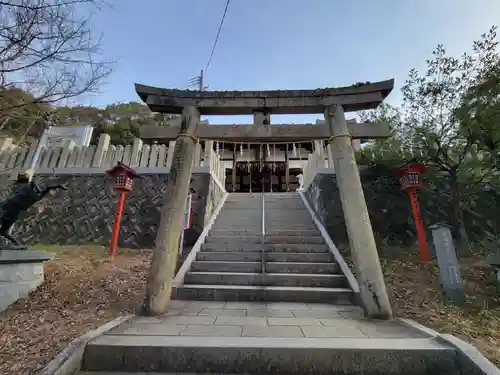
83	290
416	294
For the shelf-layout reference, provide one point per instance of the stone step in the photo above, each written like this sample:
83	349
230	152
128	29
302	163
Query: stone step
285	206
251	210
267	355
298	232
235	232
241	256
297	248
295	202
250	203
287	215
298	257
267	239
276	227
241	218
338	296
270	267
273	224
232	240
252	230
267	279
203	266
294	239
241	215
239	222
231	232
289	218
299	267
284	223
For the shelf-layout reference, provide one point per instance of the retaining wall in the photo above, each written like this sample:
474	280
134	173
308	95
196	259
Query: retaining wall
85	213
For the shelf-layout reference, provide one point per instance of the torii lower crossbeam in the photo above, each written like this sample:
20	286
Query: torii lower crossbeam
265	133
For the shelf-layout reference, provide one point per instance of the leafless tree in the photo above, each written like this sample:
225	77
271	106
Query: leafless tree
47	49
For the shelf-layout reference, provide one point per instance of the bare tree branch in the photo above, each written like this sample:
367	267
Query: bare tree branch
48	49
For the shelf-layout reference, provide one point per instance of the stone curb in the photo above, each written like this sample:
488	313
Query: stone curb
68	361
470	361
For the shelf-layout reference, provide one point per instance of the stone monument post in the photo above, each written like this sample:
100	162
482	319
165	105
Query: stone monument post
449	268
373	291
166	252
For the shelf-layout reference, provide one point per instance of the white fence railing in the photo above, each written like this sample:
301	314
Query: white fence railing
70	158
318	160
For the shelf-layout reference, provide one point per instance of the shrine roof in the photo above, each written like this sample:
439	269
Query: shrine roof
353	98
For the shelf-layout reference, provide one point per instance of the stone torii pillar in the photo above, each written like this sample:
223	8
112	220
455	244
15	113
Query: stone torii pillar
166	252
369	274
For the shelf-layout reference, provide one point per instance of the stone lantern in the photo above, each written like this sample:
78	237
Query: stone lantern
410	178
124	179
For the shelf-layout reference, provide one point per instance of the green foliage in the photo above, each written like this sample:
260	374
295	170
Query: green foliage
23	115
450	121
479	113
121	121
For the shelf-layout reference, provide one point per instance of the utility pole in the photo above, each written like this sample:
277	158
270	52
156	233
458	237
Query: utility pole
198	81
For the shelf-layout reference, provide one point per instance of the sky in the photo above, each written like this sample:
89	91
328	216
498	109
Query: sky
280	44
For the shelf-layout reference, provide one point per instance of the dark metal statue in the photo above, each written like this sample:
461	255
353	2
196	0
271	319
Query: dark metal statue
25	194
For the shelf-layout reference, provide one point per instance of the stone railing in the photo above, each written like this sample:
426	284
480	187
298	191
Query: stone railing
318	161
72	159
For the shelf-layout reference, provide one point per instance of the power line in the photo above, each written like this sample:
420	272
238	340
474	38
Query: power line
198	80
218	33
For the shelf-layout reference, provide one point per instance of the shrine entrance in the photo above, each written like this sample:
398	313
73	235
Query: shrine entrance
339	132
260	177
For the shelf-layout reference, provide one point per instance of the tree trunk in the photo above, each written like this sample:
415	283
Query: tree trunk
458	218
166	252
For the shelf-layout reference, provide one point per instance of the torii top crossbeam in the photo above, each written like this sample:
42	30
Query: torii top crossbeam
352	98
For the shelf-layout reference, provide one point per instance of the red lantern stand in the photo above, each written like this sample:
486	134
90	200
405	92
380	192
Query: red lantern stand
411	180
124	179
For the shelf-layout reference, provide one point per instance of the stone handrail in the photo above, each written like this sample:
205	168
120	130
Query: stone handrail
319	159
96	159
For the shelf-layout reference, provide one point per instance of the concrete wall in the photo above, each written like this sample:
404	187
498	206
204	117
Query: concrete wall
323	196
85	213
390	211
389	208
18	280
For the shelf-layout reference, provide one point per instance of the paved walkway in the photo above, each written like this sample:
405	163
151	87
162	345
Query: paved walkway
273	320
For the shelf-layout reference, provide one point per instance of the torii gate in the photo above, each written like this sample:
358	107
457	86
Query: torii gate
333	102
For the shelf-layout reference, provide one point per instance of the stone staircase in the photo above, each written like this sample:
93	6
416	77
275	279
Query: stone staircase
289	263
273	304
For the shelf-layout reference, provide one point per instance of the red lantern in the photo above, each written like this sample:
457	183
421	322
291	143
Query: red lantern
124	179
410	178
